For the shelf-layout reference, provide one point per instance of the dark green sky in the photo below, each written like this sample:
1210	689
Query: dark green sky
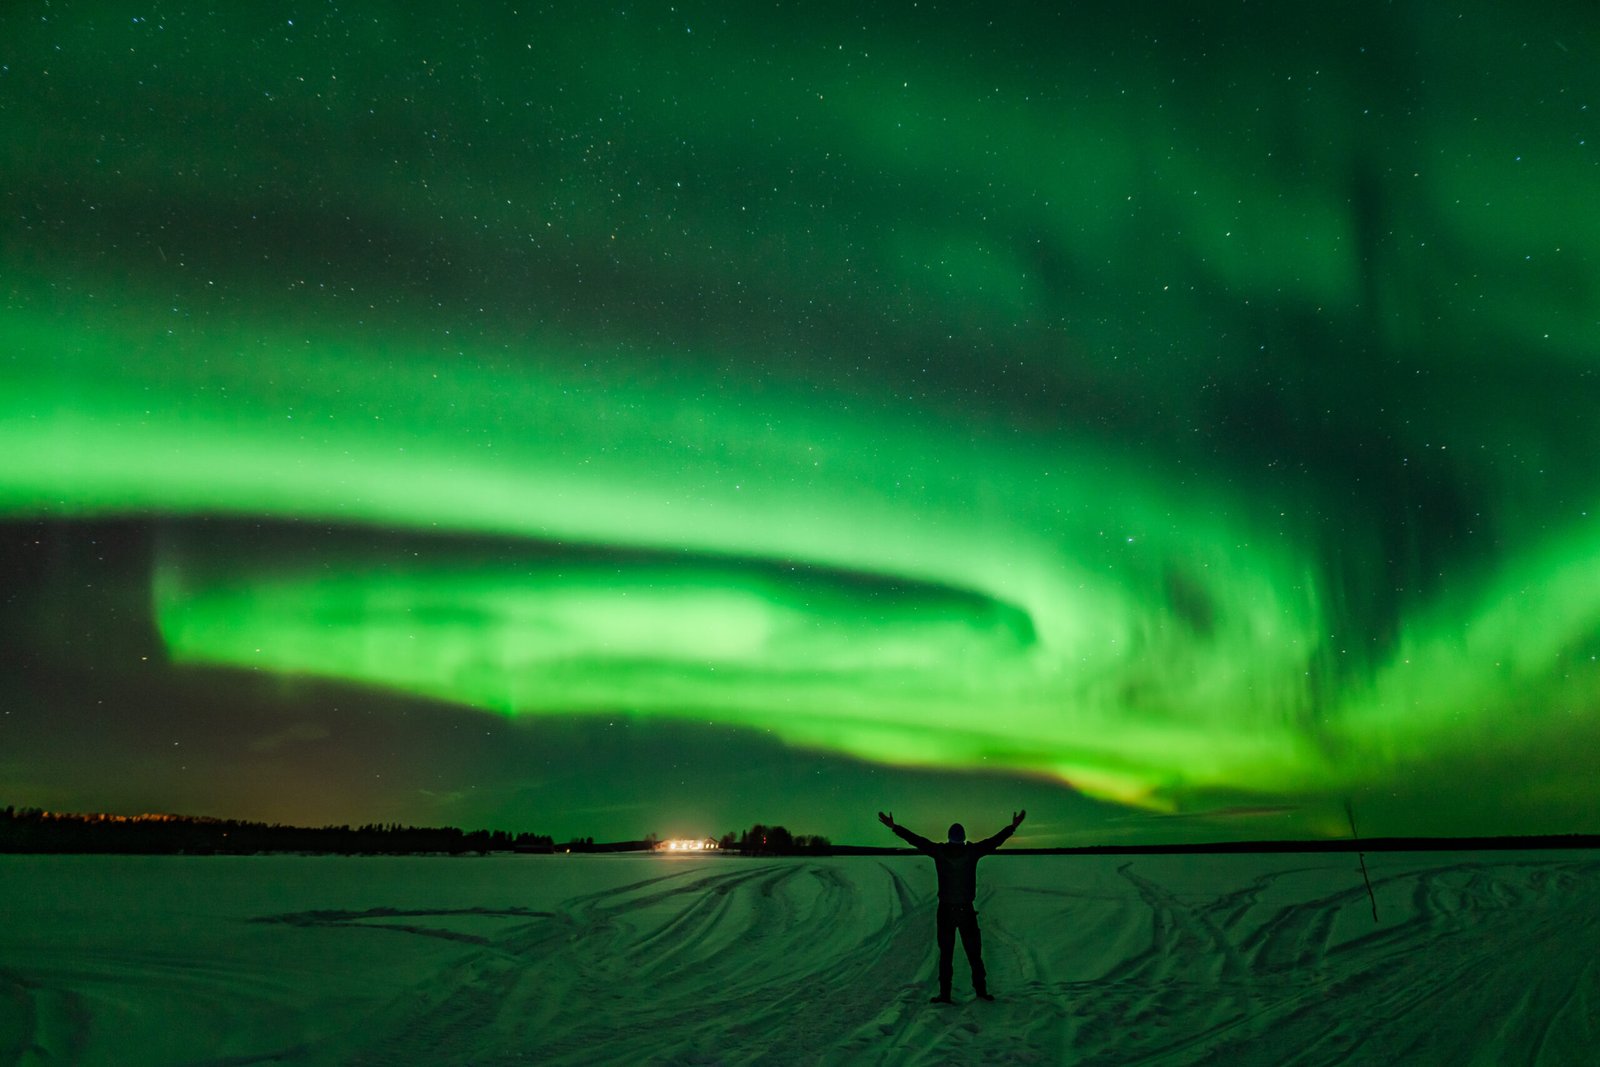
610	419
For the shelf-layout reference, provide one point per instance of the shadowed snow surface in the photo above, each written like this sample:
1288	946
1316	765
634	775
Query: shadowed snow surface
1477	958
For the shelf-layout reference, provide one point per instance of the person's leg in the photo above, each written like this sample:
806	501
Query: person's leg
972	943
947	951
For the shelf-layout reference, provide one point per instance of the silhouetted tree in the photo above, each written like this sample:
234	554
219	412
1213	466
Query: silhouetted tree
763	840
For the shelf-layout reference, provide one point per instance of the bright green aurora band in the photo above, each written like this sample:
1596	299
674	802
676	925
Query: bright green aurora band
1177	404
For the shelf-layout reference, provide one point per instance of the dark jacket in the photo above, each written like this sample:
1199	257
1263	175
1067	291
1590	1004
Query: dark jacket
957	864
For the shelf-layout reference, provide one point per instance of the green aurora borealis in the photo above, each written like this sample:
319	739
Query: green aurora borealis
1195	406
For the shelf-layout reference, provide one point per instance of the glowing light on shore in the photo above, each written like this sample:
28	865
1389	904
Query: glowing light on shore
686	844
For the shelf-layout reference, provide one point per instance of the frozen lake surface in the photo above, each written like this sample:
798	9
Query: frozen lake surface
1477	958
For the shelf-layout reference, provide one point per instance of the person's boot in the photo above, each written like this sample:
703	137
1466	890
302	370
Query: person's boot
942	998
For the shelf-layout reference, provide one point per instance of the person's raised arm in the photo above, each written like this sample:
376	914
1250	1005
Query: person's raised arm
989	844
916	840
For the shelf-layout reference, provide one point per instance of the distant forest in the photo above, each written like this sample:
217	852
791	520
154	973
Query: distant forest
34	830
39	831
762	840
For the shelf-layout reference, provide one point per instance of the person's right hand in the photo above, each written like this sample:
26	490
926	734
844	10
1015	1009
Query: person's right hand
887	820
1017	817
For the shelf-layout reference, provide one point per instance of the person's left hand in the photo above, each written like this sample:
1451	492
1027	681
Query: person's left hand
887	820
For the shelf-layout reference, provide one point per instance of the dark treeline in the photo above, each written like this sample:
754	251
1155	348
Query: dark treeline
34	830
762	840
37	830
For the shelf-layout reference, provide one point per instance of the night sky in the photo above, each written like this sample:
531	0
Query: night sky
605	419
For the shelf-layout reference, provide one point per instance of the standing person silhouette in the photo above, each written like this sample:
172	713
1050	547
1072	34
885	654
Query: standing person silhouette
956	860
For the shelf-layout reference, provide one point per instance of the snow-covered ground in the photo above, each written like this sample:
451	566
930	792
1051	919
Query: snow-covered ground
1477	958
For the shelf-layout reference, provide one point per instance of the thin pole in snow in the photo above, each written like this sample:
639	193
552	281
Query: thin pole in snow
1362	856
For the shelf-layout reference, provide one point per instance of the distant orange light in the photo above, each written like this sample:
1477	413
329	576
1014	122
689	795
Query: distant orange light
686	844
